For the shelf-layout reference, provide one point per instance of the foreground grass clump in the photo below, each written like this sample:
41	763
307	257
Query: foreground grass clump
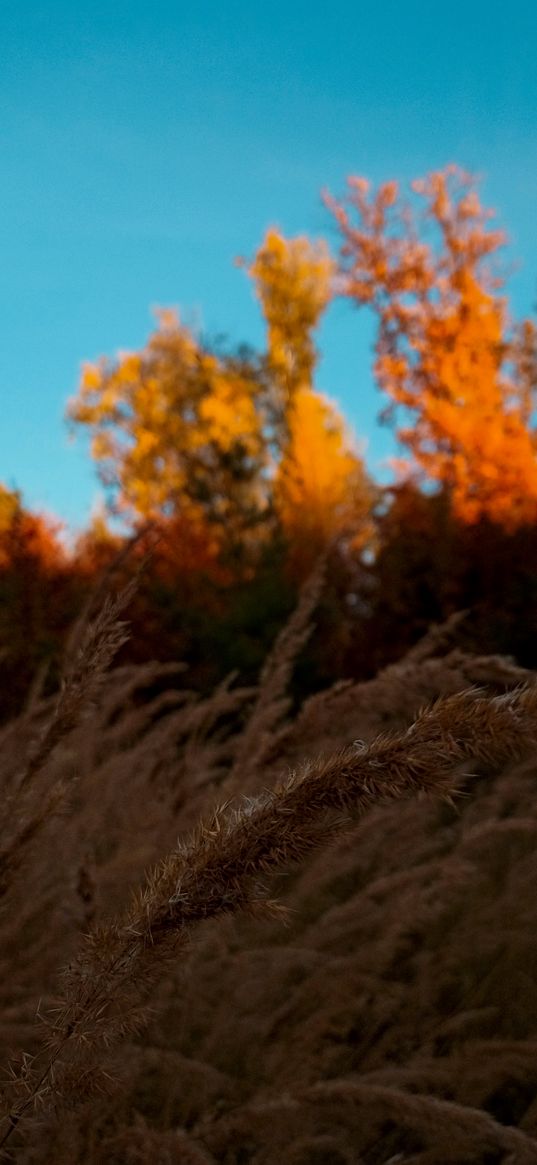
170	1016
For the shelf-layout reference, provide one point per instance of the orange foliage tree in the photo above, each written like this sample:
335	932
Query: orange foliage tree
321	489
446	351
39	597
24	533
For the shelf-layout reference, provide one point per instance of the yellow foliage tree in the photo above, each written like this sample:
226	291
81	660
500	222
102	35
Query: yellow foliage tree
178	431
293	280
321	490
445	348
225	445
10	505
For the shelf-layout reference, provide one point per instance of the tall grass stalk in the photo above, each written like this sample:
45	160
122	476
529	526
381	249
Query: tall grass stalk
224	866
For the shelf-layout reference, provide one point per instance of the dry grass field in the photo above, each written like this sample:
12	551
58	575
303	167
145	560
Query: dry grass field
338	966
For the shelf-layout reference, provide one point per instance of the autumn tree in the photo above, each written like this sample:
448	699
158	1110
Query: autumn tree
25	533
181	432
245	471
39	596
460	375
293	280
216	445
321	489
322	492
177	433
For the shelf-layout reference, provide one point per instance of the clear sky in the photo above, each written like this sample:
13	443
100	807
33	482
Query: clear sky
145	146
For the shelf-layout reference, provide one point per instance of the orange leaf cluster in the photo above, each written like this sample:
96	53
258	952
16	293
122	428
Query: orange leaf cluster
321	489
445	352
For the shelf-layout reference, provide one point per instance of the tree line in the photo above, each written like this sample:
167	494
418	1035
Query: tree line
227	473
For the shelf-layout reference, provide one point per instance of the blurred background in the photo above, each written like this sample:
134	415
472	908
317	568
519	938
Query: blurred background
215	346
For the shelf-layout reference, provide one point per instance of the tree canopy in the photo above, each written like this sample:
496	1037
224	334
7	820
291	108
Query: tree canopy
447	355
230	445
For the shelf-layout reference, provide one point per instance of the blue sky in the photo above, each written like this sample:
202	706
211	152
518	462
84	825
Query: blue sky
145	147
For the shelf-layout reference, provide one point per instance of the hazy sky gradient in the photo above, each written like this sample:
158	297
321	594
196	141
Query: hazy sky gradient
144	147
